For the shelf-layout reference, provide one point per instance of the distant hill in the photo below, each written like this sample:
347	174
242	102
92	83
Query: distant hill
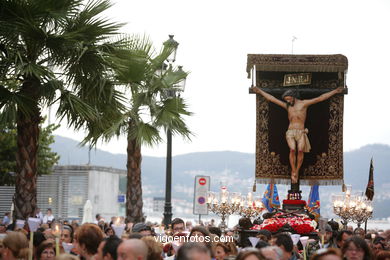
237	169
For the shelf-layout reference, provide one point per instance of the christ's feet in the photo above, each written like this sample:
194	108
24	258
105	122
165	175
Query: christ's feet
294	177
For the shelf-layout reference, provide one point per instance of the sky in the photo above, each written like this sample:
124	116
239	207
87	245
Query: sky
214	40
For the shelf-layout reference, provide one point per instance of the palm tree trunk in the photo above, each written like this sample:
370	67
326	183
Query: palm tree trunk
134	202
25	199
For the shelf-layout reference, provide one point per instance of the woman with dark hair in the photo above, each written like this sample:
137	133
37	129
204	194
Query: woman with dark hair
109	232
88	238
356	248
199	231
67	234
66	239
327	254
250	253
202	235
46	251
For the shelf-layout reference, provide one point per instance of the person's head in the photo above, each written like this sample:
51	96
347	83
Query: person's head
199	231
328	233
66	257
193	251
383	255
202	235
215	230
356	248
264	235
15	245
289	96
98	217
3	228
379	239
245	223
378	244
221	250
132	249
154	248
261	244
39	237
285	243
188	225
343	236
49	212
67	234
177	225
229	233
109	232
46	251
327	254
334	225
250	253
110	247
143	229
135	236
88	238
272	252
359	232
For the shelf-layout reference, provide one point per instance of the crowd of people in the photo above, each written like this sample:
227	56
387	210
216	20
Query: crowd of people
182	241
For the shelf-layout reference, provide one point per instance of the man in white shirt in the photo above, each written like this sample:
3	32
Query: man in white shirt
48	217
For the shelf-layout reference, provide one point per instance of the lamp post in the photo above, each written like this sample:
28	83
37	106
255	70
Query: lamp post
251	207
171	93
224	204
352	208
168	182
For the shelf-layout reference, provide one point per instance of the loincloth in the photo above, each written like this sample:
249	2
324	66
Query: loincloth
297	134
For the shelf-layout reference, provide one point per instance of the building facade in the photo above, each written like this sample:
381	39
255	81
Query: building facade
67	189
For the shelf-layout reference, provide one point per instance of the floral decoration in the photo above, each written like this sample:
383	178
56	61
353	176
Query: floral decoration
300	223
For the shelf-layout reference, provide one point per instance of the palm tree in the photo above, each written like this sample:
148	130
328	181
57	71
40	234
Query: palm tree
150	109
52	52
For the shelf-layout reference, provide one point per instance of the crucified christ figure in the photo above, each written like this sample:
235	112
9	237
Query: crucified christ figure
296	135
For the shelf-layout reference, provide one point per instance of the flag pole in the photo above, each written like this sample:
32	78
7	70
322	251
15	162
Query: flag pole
370	189
365	226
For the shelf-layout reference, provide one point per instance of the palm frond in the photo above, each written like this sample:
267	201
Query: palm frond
75	110
145	133
14	101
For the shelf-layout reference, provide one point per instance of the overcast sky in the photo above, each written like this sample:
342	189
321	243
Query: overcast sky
215	38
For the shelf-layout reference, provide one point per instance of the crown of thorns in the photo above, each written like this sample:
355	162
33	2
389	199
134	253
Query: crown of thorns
289	93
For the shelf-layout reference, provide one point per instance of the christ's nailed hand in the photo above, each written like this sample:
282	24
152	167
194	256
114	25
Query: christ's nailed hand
339	90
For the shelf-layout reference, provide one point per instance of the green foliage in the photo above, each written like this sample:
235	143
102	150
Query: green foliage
57	52
54	52
149	109
7	156
8	147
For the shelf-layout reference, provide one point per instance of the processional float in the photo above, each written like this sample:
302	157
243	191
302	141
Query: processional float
299	123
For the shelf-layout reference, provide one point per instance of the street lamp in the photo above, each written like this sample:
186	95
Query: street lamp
354	208
171	93
171	44
224	204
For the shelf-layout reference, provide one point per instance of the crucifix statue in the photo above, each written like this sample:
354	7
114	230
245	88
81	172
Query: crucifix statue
296	135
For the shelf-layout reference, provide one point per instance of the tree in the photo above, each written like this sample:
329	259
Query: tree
149	110
52	52
8	149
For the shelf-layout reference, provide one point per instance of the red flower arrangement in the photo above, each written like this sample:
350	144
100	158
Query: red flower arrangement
294	202
300	224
